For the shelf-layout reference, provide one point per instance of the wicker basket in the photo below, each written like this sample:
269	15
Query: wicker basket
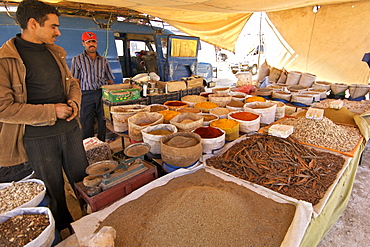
356	90
220	99
302	99
322	85
264	91
193	99
297	88
282	95
338	88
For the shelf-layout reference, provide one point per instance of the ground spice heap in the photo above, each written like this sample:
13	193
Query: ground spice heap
182	142
22	229
282	165
224	123
169	114
200	209
206	105
208	132
244	116
324	133
161	132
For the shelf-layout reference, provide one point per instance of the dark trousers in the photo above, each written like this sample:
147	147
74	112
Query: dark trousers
91	106
48	158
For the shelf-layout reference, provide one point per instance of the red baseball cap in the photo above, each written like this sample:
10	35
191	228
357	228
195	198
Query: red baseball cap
89	36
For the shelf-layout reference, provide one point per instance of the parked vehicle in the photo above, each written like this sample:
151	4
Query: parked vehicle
251	61
131	46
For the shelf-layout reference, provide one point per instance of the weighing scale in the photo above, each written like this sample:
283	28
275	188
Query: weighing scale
114	172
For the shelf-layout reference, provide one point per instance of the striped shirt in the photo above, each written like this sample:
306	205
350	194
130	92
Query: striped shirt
92	73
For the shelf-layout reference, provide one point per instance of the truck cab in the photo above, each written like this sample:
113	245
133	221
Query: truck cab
131	46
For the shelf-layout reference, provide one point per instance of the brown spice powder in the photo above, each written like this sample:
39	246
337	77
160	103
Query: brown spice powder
200	209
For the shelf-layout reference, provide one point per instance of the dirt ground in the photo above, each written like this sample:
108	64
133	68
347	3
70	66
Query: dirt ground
353	227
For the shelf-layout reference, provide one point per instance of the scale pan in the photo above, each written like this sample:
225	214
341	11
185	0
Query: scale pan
101	167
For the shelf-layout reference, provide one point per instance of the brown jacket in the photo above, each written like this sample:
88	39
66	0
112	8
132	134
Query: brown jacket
15	113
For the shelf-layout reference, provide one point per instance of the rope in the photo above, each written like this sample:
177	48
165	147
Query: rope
105	53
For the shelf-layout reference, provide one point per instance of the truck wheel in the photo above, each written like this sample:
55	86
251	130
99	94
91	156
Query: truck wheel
253	70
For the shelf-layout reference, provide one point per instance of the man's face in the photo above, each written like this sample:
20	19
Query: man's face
90	45
49	32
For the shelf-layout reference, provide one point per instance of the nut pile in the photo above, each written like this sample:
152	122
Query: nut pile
324	133
358	107
22	229
17	194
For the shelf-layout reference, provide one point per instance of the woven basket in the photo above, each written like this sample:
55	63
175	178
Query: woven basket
338	88
306	80
264	91
293	77
322	92
193	99
302	99
220	99
322	85
282	95
297	88
222	90
356	90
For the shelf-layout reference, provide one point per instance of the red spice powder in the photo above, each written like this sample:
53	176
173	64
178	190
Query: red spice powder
208	132
244	116
175	103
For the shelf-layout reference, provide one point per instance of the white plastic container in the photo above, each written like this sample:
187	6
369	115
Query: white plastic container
267	110
155	140
247	126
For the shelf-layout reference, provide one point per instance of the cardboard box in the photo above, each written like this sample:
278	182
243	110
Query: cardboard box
193	81
120	92
172	86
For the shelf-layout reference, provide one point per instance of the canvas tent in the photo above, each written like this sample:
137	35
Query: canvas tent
329	43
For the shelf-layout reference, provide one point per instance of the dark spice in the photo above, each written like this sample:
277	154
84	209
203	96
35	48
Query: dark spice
208	132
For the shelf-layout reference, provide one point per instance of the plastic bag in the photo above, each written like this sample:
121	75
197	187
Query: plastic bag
104	238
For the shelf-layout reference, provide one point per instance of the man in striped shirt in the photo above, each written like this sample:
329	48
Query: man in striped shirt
92	71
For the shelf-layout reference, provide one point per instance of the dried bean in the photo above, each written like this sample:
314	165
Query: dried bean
324	133
17	194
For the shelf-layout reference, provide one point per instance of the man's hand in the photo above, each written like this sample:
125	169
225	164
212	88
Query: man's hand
74	106
63	111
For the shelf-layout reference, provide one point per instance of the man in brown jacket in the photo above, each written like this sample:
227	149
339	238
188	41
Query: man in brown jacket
39	102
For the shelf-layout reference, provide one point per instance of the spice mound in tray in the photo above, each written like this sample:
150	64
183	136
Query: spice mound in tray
282	165
324	133
201	209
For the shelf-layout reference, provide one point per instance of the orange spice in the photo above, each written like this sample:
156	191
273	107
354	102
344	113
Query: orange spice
244	116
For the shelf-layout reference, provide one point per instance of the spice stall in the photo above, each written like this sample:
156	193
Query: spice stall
302	174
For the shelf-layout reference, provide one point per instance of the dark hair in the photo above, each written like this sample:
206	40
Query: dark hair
28	9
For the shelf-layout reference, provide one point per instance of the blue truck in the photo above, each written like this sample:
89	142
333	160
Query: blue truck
131	46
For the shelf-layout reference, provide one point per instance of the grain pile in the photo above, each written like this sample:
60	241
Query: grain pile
200	209
282	165
324	133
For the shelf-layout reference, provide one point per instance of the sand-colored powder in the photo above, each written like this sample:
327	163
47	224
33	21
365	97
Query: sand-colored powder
200	209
